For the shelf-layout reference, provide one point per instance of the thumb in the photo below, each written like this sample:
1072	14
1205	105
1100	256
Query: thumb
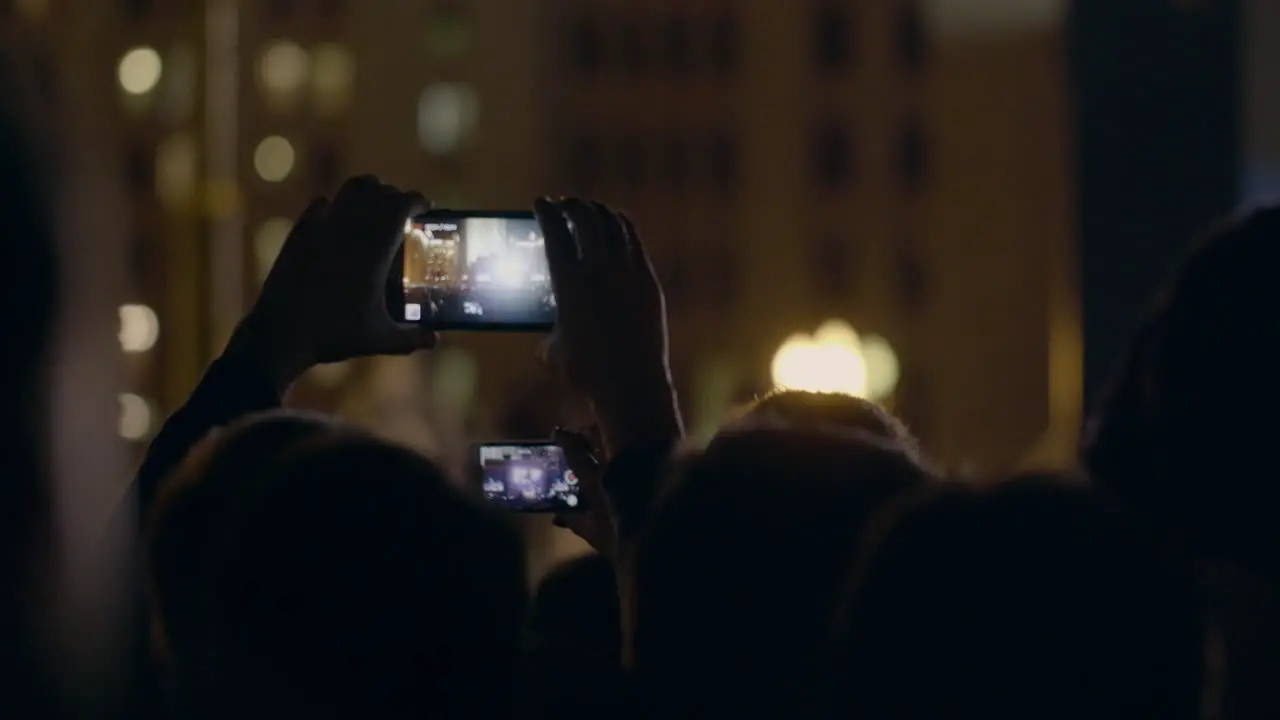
578	453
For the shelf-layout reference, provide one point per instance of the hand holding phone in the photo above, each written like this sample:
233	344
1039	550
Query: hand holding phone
528	477
472	270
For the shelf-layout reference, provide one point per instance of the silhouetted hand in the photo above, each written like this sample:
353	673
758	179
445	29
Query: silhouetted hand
593	522
611	330
325	299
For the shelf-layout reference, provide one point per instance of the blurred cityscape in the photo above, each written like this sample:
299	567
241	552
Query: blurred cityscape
914	170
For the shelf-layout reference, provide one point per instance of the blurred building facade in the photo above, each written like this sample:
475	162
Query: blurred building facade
901	165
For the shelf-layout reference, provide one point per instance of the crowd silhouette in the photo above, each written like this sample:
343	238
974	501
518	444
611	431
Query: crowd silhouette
809	561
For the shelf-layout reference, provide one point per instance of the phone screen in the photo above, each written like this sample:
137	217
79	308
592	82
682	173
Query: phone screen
473	270
528	477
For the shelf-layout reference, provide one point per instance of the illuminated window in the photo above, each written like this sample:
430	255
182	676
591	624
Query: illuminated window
267	243
912	37
274	158
139	70
913	155
283	68
831	157
448	34
333	74
678	43
176	170
446	116
724	42
177	90
833	35
584	44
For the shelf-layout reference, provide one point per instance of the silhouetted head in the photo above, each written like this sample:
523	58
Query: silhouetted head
1031	599
1186	423
576	605
738	574
353	580
192	507
804	409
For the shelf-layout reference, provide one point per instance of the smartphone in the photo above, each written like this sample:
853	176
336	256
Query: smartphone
528	477
472	270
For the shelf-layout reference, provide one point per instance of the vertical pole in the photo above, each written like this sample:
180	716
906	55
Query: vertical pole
225	272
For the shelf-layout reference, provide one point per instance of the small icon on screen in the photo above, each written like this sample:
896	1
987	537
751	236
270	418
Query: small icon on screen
571	500
570	478
412	311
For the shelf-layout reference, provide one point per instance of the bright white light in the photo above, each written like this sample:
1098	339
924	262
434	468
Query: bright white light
139	328
139	70
511	272
883	370
274	158
283	68
135	417
446	114
828	361
268	241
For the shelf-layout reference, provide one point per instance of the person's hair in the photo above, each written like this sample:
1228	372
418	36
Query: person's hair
28	306
576	605
1030	599
354	580
1181	429
805	409
192	506
737	575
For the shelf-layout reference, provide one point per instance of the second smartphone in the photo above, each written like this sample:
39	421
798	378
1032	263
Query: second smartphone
473	270
528	477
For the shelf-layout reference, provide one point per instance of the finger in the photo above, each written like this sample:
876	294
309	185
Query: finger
578	452
613	233
588	228
563	257
635	246
354	189
304	228
398	208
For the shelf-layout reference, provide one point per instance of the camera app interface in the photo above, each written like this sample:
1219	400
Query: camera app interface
528	478
476	271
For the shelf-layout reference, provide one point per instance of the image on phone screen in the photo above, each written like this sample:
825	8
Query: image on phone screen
473	270
528	477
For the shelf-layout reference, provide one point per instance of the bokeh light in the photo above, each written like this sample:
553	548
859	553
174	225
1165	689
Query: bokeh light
136	417
333	74
827	361
283	67
139	328
139	70
883	370
176	169
446	114
274	158
268	241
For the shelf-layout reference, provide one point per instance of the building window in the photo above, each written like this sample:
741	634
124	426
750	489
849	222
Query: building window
584	45
913	156
583	155
832	258
722	162
678	45
833	36
912	36
676	163
724	42
135	10
631	46
631	165
832	157
140	170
